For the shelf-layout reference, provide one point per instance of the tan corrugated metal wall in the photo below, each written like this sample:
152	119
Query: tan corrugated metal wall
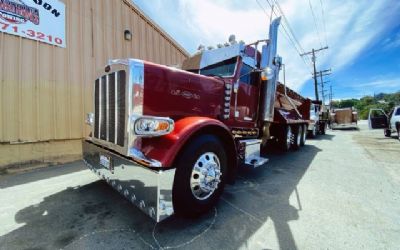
46	90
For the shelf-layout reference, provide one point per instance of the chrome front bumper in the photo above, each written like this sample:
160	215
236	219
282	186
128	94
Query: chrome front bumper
149	190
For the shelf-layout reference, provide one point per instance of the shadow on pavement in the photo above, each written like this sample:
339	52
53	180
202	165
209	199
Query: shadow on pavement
322	137
40	174
346	129
95	216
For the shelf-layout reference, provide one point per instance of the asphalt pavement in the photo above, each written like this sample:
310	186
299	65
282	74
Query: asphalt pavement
340	191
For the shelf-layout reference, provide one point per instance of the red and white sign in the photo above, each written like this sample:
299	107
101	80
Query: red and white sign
41	20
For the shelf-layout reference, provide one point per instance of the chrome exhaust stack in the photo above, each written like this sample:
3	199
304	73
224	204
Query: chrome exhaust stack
270	64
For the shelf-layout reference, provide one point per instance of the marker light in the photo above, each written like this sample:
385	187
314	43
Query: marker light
153	126
267	74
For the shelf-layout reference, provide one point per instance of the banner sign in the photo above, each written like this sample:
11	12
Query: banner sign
41	20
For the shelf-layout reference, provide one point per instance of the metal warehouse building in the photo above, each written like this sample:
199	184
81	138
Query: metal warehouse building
46	89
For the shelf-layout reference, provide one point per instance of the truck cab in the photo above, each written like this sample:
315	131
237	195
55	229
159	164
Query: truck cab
318	119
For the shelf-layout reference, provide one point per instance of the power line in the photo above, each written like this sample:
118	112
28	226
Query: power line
324	22
289	27
289	35
315	22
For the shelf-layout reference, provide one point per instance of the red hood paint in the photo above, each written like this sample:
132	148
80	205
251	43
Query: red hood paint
175	93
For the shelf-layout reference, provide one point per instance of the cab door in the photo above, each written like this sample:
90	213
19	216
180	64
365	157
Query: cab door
247	88
377	118
394	117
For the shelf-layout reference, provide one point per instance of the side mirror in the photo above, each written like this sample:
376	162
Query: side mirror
278	61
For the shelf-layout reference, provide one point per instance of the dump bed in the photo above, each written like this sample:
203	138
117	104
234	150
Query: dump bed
342	118
292	107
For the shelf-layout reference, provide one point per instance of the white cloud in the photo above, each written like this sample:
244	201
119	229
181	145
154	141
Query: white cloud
391	43
385	83
350	27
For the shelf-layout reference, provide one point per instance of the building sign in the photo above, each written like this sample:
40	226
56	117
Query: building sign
41	20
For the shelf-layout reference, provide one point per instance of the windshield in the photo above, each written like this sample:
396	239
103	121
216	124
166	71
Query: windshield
225	68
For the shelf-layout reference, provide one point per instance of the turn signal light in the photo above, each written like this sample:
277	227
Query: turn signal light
267	74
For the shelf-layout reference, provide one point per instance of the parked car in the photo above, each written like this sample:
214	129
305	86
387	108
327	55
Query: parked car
377	119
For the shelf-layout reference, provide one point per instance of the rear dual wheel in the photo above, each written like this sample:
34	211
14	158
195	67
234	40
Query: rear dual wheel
300	136
292	137
304	135
285	140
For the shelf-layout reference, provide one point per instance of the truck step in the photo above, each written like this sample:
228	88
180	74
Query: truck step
256	161
252	157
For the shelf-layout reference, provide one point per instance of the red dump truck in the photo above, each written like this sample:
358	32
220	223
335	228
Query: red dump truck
169	139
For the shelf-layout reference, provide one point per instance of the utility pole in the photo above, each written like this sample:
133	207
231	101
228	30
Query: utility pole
321	74
323	84
313	59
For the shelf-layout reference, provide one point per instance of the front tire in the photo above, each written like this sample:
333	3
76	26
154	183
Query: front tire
387	132
200	176
398	133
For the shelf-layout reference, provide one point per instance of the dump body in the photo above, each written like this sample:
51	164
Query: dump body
344	118
290	108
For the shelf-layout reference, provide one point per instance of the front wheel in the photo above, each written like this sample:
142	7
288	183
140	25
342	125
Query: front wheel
200	176
398	133
387	132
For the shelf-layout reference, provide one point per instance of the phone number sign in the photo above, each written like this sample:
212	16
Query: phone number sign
40	20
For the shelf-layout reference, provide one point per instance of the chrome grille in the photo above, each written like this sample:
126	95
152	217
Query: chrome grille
109	92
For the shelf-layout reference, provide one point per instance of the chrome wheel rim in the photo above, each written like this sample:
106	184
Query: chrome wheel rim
299	135
206	175
304	134
289	136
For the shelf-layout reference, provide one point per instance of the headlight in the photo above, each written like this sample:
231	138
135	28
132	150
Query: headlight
153	126
90	119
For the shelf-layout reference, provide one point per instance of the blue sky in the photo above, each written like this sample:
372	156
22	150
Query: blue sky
363	37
